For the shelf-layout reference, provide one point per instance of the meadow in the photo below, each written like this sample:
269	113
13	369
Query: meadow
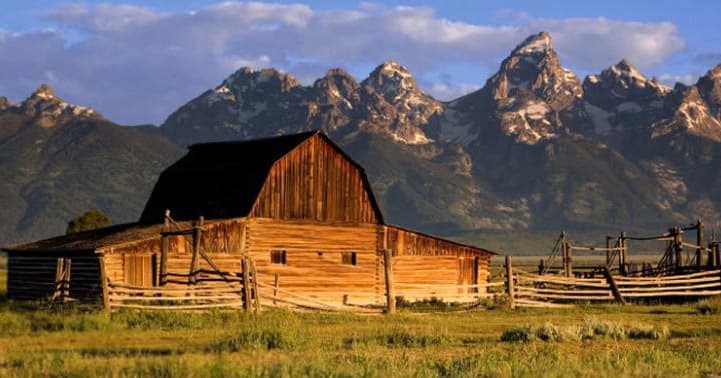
43	339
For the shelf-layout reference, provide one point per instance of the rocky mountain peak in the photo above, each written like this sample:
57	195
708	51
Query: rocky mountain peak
623	80
336	85
534	68
48	110
528	92
43	92
536	44
392	81
689	114
269	79
709	87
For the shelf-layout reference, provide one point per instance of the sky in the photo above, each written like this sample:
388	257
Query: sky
138	61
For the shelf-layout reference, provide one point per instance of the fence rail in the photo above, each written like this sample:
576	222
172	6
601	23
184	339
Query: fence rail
526	289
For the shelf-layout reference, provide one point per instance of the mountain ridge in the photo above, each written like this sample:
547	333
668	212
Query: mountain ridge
534	149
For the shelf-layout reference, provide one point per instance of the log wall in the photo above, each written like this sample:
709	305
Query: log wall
221	240
316	182
32	276
422	259
314	258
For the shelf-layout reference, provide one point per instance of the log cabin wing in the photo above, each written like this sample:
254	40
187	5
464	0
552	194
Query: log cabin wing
297	205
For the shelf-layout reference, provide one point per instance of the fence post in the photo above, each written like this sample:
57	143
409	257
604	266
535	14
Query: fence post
678	248
717	253
255	285
388	267
608	250
614	288
509	283
195	261
623	253
564	253
245	282
699	241
276	286
569	260
164	250
104	284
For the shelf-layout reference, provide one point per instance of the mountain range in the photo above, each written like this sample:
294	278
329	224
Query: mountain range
535	149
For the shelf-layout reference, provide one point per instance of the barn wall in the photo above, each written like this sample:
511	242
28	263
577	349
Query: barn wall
220	240
31	276
314	263
422	259
315	182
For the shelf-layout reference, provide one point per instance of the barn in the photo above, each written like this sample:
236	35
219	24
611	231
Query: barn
296	206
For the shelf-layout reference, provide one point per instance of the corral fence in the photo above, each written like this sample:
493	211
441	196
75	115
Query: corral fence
244	291
526	289
223	290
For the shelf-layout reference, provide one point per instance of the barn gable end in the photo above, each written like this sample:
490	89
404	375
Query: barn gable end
317	182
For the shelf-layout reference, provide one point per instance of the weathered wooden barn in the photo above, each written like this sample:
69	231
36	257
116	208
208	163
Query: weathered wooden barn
296	205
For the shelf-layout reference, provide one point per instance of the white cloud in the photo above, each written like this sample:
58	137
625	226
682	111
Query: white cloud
450	91
137	65
596	43
671	80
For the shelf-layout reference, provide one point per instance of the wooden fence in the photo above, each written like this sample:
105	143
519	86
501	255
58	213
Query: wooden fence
526	289
238	291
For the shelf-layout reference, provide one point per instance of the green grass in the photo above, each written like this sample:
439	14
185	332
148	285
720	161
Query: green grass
45	340
3	275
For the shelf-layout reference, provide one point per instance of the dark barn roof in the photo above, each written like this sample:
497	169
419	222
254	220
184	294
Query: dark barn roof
222	180
216	180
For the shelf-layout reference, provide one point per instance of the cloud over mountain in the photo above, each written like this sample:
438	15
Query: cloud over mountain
136	64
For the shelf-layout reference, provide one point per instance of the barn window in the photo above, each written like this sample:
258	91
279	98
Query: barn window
278	257
348	258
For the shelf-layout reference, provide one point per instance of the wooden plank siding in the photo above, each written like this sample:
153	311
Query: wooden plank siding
423	259
314	263
315	182
221	240
32	276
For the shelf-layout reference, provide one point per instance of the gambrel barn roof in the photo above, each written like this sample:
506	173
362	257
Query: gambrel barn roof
223	180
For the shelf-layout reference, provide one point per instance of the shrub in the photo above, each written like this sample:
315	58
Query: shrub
400	336
90	220
647	332
253	339
522	334
709	306
590	330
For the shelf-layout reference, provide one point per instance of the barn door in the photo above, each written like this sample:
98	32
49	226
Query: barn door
139	270
467	273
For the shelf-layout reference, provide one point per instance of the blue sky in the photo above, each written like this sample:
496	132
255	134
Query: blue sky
137	61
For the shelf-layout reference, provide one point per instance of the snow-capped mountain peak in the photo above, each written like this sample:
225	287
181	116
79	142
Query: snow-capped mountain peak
49	110
535	44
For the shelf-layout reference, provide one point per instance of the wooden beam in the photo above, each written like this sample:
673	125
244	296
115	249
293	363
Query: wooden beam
256	292
213	265
569	260
614	288
699	241
510	289
164	250
388	268
276	286
245	282
59	265
195	260
104	284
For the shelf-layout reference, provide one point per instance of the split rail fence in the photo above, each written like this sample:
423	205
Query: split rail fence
526	289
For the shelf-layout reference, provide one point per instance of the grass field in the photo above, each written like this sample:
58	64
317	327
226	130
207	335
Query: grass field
39	339
58	341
